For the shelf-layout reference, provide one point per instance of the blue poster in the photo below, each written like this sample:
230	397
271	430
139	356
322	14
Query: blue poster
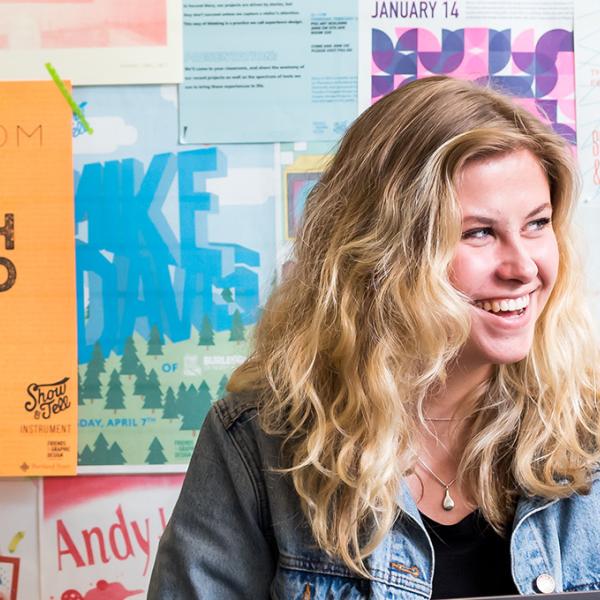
268	71
175	256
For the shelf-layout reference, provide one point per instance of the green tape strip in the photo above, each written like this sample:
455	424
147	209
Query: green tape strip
65	92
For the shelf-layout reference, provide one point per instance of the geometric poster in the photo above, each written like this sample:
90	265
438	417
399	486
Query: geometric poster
527	53
175	257
99	534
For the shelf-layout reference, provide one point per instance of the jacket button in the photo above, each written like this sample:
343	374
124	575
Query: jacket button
545	583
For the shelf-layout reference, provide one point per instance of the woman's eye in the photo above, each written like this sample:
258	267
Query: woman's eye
539	223
477	234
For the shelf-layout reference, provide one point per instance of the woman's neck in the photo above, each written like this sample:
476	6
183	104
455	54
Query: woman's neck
455	398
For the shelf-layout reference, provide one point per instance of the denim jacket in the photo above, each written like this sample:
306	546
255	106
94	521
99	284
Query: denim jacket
237	532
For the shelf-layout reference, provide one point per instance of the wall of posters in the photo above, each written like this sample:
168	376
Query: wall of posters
175	255
178	243
92	41
38	378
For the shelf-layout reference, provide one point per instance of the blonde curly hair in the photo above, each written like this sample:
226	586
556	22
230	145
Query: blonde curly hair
367	321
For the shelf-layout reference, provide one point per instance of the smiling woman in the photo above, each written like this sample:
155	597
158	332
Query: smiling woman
507	260
419	416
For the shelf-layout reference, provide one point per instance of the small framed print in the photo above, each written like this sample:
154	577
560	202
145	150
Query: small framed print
9	577
298	186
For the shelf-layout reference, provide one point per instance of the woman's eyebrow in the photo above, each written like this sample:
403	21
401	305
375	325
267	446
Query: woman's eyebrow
539	209
491	221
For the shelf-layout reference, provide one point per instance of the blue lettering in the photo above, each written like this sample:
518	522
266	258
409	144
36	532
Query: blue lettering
139	272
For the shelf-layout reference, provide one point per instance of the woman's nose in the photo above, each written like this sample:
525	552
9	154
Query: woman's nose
515	262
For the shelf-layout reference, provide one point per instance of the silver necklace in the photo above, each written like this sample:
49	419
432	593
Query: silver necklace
445	418
447	502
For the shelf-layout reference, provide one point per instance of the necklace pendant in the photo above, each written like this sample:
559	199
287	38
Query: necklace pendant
448	503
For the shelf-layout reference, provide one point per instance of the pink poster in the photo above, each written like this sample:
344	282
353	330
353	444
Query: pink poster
82	24
92	42
99	534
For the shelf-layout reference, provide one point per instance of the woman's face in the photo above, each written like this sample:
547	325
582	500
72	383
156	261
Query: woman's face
507	259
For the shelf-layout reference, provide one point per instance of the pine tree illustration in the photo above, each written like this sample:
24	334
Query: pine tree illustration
155	453
153	395
141	381
206	337
205	399
192	411
97	359
115	396
222	389
237	328
115	455
170	407
181	400
100	452
154	342
80	401
129	360
91	384
86	457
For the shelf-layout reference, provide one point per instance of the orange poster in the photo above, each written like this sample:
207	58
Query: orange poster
38	361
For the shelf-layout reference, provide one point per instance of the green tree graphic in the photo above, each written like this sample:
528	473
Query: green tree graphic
115	396
192	411
206	337
80	401
155	453
115	455
227	295
181	399
153	395
154	342
205	399
100	453
237	328
97	359
222	389
129	360
91	383
86	457
141	381
170	406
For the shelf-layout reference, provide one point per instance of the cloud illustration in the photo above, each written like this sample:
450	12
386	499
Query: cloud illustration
109	134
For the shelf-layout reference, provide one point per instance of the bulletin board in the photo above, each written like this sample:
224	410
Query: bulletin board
192	134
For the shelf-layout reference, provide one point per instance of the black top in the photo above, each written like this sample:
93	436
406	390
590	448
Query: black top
471	559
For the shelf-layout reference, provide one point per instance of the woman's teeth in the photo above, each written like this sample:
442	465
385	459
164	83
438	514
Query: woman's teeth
508	305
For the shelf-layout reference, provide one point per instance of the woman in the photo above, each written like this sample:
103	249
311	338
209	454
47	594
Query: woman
419	416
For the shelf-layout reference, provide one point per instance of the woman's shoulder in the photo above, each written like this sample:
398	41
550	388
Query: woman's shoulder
233	422
576	512
236	407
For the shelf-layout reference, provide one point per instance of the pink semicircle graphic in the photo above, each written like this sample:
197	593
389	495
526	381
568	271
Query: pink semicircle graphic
524	41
